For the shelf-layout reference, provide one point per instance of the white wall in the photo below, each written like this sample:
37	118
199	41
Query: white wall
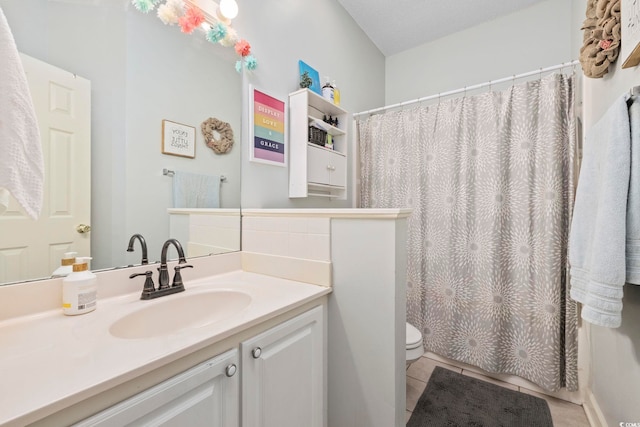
535	37
614	353
323	35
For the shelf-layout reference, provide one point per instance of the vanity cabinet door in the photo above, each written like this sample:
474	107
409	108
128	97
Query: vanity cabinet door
204	396
283	374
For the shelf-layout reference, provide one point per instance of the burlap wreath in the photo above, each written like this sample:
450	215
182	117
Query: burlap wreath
225	142
601	41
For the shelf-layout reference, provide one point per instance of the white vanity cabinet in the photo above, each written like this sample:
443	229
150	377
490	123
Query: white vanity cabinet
206	395
280	374
283	375
316	170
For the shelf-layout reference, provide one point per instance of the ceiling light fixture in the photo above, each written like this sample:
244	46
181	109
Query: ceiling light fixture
228	9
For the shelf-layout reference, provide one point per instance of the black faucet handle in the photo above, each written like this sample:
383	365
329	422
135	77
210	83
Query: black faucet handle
149	286
177	277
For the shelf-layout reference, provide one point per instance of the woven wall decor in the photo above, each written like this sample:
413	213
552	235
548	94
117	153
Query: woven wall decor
601	41
210	127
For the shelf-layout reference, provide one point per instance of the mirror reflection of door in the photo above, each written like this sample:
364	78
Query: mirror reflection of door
33	249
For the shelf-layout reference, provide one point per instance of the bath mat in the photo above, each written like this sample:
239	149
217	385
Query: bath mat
451	399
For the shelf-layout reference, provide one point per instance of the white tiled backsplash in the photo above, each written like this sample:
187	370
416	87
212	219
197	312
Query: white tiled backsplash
296	237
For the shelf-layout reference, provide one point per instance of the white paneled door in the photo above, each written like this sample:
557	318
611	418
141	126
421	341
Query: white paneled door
33	249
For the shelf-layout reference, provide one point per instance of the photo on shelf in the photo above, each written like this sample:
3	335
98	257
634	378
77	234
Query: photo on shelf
306	73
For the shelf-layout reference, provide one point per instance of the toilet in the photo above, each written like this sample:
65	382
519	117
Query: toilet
414	344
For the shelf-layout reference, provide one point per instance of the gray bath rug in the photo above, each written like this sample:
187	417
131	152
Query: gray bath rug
453	399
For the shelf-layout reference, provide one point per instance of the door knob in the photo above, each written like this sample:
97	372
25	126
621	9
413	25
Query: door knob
83	228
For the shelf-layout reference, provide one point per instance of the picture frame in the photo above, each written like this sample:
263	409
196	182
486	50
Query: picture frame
178	139
630	33
267	128
313	74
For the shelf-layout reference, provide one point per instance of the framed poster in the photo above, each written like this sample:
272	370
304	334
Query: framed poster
178	139
267	129
630	20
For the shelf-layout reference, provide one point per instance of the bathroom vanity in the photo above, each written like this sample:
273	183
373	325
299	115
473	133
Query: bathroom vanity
134	361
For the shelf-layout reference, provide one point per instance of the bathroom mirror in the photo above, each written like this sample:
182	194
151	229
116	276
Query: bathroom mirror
141	72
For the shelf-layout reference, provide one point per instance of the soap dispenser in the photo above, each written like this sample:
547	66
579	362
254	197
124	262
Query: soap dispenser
66	265
79	289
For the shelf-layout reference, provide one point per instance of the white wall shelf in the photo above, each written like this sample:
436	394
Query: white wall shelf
315	170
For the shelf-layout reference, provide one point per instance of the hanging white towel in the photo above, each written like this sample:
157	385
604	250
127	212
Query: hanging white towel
21	164
4	200
633	199
191	190
598	228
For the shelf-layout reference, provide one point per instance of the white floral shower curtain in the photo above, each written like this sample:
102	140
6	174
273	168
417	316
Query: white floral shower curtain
490	181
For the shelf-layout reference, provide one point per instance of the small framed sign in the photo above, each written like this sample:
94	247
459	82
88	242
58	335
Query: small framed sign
630	20
178	139
267	129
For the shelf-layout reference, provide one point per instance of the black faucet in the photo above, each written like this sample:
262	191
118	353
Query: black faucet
163	279
145	260
149	291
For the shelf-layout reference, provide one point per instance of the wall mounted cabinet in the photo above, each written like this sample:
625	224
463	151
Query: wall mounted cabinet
315	170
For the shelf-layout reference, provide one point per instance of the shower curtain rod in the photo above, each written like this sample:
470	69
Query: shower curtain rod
466	88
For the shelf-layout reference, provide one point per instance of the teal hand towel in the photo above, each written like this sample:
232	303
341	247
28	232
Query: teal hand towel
191	190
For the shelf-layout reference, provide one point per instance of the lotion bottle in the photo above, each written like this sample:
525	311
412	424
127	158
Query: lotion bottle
336	94
66	265
79	289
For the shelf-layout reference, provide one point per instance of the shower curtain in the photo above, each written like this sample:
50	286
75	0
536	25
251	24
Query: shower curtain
490	181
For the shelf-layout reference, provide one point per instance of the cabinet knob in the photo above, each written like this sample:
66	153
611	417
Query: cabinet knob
329	167
231	370
256	352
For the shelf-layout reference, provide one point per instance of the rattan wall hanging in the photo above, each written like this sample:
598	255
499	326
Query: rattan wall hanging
601	41
210	127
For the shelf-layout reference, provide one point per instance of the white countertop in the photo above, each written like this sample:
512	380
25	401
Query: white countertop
50	361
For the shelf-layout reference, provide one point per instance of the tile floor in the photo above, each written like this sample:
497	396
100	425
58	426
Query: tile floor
563	413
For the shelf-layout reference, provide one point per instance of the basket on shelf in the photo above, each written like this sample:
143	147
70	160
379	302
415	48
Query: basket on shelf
317	136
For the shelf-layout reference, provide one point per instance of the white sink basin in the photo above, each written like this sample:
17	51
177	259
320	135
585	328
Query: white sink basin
173	313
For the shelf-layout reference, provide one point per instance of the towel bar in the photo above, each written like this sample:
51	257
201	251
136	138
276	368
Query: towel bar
169	172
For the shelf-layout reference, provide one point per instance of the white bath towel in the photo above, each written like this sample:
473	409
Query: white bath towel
192	190
633	199
4	200
21	164
598	229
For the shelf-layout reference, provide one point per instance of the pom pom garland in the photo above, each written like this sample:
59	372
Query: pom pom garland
190	20
243	48
216	33
143	6
188	17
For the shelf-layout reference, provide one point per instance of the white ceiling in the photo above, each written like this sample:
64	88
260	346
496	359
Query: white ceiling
398	25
